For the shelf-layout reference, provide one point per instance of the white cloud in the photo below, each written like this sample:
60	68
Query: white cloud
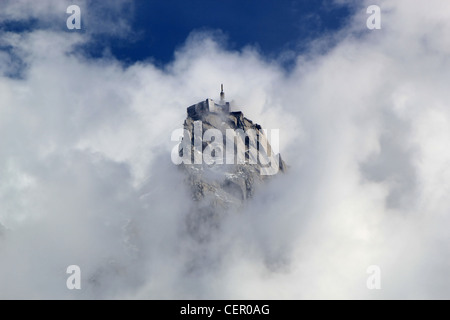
86	177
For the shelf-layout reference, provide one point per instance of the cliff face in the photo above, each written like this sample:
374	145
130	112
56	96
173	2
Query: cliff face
225	158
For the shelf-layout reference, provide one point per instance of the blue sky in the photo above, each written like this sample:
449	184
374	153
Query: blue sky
158	28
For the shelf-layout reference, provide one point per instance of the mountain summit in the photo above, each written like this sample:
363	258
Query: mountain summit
225	155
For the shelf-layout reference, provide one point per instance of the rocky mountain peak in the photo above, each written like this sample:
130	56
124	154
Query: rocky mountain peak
225	156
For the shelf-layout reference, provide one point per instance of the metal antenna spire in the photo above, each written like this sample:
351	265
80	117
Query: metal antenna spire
222	94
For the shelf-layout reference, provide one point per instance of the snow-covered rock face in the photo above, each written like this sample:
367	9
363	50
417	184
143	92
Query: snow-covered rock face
226	157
